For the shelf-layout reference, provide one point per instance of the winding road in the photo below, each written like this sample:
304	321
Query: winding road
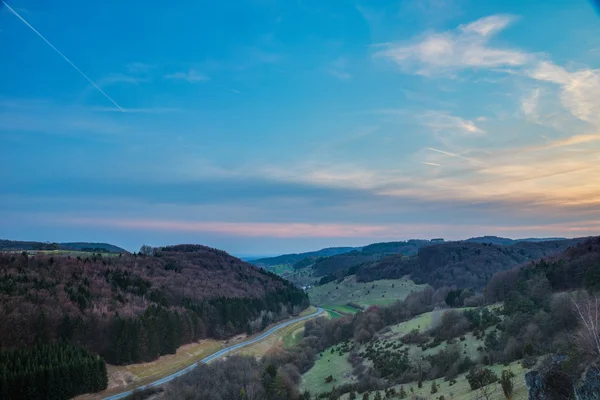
216	355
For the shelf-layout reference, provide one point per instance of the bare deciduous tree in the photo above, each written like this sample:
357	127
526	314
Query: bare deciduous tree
588	311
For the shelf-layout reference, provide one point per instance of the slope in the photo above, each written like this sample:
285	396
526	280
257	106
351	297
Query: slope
464	264
291	259
17	245
135	308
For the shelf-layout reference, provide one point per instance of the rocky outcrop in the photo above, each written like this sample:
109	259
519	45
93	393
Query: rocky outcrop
547	382
588	388
535	385
552	380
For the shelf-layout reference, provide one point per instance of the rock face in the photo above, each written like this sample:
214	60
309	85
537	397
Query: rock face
547	383
535	385
589	386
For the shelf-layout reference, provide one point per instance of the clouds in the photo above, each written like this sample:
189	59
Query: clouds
466	47
579	90
443	122
339	69
191	76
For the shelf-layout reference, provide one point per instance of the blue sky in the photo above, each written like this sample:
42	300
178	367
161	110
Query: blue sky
267	126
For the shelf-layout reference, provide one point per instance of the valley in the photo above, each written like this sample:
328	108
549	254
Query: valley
379	338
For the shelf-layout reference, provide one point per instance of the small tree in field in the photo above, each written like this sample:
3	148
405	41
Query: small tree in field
403	393
434	388
507	383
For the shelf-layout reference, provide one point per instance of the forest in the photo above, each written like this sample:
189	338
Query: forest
132	308
56	371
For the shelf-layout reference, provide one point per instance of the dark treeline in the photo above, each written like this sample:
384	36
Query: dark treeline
461	264
132	308
159	331
52	372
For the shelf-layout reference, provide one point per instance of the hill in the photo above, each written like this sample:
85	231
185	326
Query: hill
463	264
291	259
134	308
16	245
508	242
327	265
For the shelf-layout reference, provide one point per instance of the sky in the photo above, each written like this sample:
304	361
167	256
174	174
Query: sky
272	126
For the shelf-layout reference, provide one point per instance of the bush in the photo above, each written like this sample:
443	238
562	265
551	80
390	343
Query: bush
415	337
480	377
506	381
529	362
434	388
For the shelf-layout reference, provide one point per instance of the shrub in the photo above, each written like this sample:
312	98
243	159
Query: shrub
480	377
528	362
506	381
434	388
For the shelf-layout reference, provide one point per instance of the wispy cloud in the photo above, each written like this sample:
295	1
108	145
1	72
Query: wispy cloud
447	153
529	105
465	47
579	89
338	68
155	110
120	78
191	76
139	67
443	122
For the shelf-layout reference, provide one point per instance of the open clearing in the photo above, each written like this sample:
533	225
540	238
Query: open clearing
461	389
314	379
380	292
326	364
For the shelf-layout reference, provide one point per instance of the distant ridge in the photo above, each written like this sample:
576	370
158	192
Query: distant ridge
509	242
16	245
295	257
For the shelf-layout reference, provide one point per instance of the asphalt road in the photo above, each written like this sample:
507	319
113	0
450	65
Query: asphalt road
216	355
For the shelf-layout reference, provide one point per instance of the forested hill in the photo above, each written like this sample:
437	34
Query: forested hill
17	245
294	258
463	264
508	242
134	308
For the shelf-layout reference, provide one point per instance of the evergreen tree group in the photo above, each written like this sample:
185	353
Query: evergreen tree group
50	371
160	330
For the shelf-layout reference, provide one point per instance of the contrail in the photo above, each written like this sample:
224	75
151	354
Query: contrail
62	55
454	155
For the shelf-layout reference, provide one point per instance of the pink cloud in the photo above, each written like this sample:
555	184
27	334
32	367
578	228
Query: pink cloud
248	229
328	230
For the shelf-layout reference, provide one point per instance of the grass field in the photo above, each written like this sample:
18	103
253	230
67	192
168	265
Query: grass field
286	337
281	269
327	364
342	309
380	292
124	377
334	314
